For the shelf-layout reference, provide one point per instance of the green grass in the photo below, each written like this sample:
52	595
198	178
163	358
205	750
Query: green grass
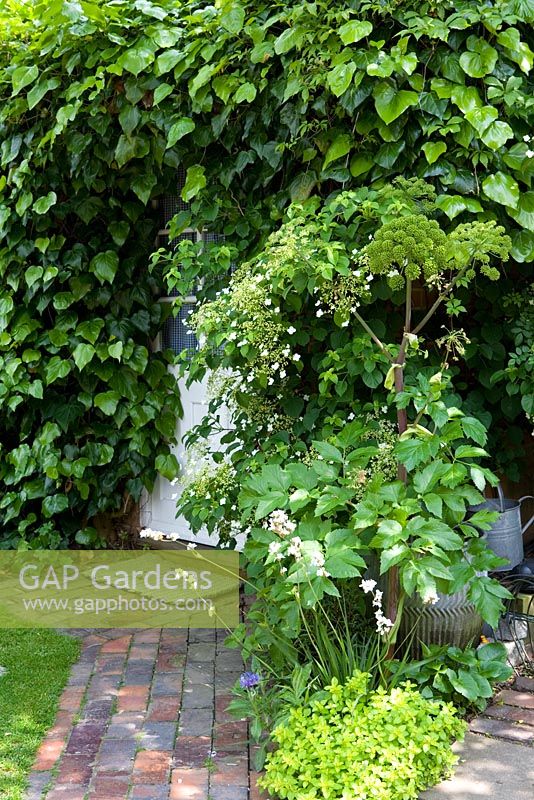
38	664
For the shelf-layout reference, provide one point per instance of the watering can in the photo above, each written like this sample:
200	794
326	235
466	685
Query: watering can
505	537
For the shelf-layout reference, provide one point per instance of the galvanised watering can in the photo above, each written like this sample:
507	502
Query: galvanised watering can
505	537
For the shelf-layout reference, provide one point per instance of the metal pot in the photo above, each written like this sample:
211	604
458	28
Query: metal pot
453	620
505	537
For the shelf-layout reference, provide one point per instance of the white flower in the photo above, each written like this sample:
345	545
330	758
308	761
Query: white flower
283	373
294	547
291	330
383	624
296	357
367	586
317	559
274	547
268	302
530	154
319	313
280	523
191	546
322	573
430	597
283	570
377	598
357	273
526	138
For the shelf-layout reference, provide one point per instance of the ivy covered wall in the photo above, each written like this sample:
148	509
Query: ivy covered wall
261	103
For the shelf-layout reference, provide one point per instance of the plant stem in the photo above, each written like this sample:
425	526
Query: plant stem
373	336
434	307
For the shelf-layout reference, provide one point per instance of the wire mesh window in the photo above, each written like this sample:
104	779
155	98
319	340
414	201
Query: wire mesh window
176	333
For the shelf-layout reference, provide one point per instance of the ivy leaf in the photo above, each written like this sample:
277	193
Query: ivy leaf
136	59
455	204
23	76
481	58
43	204
388	153
107	402
54	504
105	265
339	148
115	350
195	181
524	213
246	92
179	130
390	103
233	19
481	118
522	246
36	94
161	92
359	165
83	354
290	38
56	368
167	61
339	78
354	30
502	188
90	330
167	465
143	186
518	51
32	275
497	134
433	150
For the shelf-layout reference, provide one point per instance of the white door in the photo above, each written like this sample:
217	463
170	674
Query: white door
159	510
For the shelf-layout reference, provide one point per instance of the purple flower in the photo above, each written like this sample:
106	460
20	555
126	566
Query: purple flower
249	679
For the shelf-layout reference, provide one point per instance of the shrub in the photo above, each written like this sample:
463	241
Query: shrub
463	677
363	746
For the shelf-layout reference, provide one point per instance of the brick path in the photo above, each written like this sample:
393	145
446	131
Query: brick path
511	715
143	718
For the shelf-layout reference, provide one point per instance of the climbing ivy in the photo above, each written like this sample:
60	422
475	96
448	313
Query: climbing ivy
260	104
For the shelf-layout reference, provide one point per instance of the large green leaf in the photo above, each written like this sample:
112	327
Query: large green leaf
44	204
105	265
195	181
480	58
340	147
83	355
57	368
180	129
390	103
23	76
107	402
524	211
143	186
354	30
340	78
502	188
433	150
233	18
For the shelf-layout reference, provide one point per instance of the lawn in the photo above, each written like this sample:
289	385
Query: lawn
38	664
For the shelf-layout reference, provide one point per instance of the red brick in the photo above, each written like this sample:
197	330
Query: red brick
524	684
151	766
71	698
75	769
170	661
511	698
163	709
120	645
150	636
230	771
511	713
62	725
133	698
192	751
189	784
48	753
501	729
110	787
67	792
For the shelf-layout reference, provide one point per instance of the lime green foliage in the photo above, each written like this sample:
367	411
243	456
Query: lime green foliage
462	677
38	663
362	745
